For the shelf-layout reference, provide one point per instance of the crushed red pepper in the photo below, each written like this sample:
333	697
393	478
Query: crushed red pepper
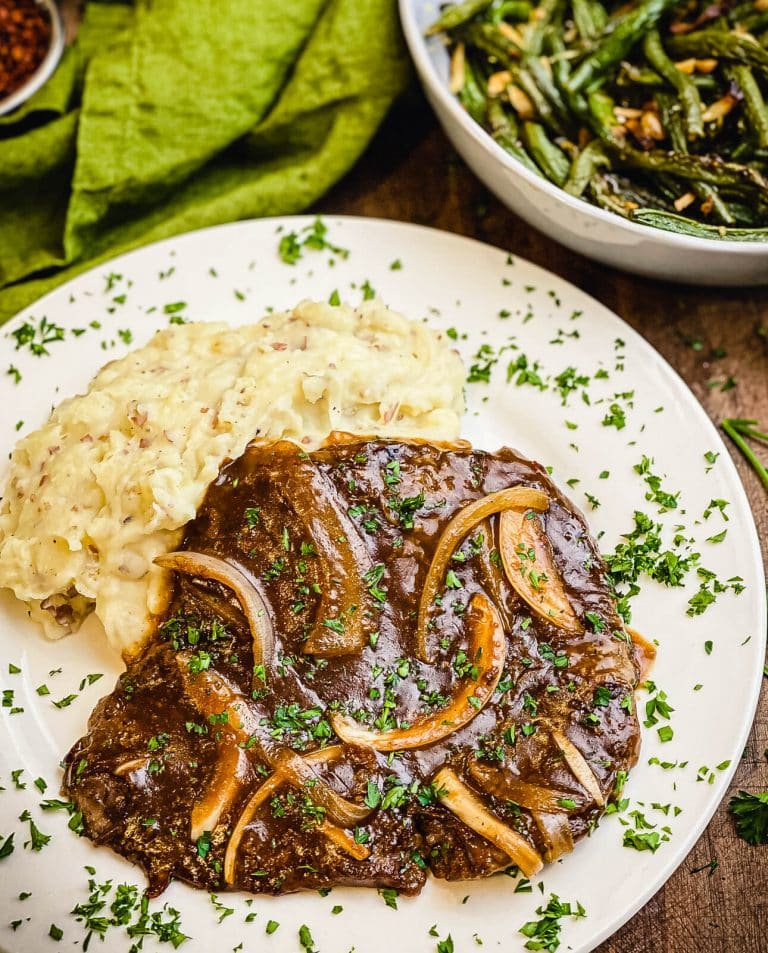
25	35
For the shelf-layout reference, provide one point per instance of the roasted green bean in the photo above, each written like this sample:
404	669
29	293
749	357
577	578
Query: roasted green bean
614	47
457	14
548	157
737	47
681	82
684	226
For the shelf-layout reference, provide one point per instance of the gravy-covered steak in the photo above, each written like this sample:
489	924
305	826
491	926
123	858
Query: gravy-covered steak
382	658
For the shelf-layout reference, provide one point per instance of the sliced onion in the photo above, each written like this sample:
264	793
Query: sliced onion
502	784
488	646
212	694
253	605
342	558
463	523
557	834
490	575
344	840
520	534
298	772
262	794
223	788
578	765
131	767
265	791
645	653
465	804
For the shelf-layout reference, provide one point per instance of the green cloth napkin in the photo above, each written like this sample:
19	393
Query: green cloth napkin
170	115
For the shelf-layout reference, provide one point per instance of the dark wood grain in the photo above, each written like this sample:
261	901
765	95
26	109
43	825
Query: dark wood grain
410	173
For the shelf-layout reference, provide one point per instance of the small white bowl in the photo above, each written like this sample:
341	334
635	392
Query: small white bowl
47	65
572	222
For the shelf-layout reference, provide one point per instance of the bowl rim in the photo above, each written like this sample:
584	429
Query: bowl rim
417	45
47	65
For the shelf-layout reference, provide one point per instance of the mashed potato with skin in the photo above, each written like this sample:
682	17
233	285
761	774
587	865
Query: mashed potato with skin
114	475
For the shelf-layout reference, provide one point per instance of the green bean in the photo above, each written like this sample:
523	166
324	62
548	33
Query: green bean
584	166
686	226
622	197
754	104
471	94
505	132
545	13
672	122
548	157
630	75
602	117
739	10
730	46
754	23
530	87
590	18
456	15
696	168
686	90
561	72
617	45
548	89
518	10
489	38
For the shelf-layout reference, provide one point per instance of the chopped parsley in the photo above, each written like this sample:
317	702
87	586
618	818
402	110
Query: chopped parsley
305	939
37	337
750	811
389	895
291	246
6	846
544	934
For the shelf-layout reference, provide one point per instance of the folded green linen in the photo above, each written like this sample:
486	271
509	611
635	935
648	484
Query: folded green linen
170	115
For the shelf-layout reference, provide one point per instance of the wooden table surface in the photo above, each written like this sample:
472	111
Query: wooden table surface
411	173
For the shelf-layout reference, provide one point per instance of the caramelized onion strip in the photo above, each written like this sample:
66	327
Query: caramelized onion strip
578	765
253	605
530	567
265	791
344	840
342	560
533	797
298	772
644	652
212	694
465	804
488	650
222	790
521	497
557	834
131	767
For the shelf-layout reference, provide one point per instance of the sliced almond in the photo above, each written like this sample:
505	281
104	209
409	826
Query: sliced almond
684	201
498	82
521	102
456	82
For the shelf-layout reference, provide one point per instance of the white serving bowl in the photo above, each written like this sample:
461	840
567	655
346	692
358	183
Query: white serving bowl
573	222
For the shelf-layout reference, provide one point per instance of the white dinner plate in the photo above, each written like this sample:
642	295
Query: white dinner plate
709	665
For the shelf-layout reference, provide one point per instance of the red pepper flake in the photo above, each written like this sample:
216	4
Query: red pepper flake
25	36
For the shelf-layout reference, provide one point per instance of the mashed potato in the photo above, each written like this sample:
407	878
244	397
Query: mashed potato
110	480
